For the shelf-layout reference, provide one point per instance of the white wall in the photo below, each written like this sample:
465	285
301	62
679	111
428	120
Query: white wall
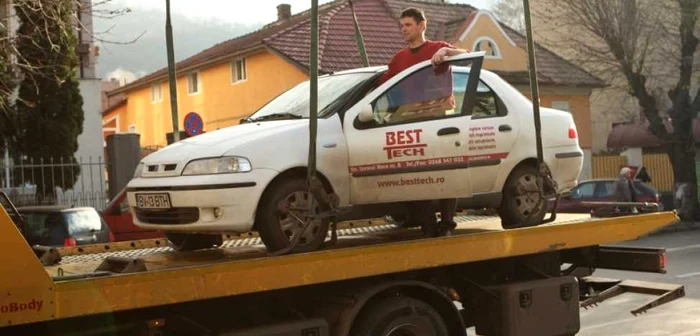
90	141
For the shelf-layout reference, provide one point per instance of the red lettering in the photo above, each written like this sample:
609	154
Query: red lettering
419	151
390	138
417	132
4	309
409	136
400	137
13	307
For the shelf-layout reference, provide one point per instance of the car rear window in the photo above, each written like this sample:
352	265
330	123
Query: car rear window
82	221
35	223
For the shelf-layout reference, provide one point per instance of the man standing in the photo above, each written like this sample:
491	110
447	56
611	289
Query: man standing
624	187
413	25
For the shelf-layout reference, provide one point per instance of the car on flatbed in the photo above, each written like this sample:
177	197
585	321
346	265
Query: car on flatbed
428	133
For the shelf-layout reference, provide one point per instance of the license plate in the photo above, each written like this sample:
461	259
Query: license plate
153	201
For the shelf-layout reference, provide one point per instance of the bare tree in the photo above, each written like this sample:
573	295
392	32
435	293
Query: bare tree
16	67
511	13
650	45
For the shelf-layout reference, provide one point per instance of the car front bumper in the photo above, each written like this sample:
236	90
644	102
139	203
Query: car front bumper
224	203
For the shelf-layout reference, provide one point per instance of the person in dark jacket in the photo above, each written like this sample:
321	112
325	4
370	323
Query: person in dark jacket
624	188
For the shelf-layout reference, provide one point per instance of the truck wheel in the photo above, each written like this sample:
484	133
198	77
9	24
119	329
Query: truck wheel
190	242
399	316
520	196
276	227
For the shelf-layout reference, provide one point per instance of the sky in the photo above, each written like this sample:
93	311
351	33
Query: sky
246	11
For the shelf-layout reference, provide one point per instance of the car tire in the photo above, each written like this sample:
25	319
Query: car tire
190	242
276	227
517	208
399	315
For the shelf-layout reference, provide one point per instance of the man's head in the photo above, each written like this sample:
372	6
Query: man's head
413	24
626	173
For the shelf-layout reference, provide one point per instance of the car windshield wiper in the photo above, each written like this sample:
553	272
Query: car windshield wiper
278	116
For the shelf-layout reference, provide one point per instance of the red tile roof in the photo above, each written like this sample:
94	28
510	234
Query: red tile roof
378	21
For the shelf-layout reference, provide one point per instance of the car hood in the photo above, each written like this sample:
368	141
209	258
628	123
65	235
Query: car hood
217	143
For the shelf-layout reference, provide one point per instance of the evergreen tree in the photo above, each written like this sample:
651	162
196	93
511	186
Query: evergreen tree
50	107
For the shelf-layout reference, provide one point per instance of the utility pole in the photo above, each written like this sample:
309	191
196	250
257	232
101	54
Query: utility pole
171	71
358	36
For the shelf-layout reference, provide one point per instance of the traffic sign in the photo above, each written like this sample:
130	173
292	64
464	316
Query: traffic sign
193	124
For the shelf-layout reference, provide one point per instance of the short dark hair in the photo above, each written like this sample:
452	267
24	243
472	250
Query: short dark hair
415	13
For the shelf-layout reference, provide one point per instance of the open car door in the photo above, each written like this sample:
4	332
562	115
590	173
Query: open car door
408	140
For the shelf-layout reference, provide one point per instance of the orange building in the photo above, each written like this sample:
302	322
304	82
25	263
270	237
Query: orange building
233	79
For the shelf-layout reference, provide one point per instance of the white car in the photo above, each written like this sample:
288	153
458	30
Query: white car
428	133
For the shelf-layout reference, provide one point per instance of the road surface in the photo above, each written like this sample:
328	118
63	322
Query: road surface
678	318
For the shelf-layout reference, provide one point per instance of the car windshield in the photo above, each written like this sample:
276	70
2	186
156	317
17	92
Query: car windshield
295	102
82	221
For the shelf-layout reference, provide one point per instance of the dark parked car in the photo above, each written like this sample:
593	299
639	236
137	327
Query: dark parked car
602	190
64	226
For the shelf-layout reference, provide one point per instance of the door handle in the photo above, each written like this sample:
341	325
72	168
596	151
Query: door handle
504	128
448	130
329	145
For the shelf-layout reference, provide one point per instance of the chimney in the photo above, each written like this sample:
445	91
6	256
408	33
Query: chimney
284	12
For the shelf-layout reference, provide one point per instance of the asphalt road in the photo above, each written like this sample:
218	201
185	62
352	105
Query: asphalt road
677	318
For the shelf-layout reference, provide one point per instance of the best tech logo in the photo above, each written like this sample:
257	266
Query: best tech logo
16	307
404	143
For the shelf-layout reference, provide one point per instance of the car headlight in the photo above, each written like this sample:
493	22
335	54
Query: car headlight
222	165
138	170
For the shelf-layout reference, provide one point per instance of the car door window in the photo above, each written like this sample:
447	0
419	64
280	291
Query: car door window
486	102
606	189
429	93
585	190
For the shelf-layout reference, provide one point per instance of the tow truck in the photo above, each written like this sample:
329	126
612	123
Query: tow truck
374	278
378	279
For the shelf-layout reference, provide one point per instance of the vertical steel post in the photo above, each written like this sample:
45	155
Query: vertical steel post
313	102
358	36
533	80
171	71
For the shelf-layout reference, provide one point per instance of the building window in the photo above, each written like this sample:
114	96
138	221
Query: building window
156	93
193	83
488	45
561	105
238	70
132	128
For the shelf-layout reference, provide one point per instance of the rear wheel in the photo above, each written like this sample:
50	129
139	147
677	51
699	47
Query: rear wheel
399	316
519	205
282	213
189	242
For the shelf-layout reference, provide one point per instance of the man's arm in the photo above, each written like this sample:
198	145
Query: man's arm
445	52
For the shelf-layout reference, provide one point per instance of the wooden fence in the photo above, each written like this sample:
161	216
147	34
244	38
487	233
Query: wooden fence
658	167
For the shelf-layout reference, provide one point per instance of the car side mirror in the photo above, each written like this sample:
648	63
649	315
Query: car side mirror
367	114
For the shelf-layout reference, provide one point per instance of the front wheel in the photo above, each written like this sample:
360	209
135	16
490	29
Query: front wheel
190	242
519	205
399	316
283	212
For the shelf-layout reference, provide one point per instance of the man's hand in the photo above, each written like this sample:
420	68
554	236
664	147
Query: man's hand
444	52
439	56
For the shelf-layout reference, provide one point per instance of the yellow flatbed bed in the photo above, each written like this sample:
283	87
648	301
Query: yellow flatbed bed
34	293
